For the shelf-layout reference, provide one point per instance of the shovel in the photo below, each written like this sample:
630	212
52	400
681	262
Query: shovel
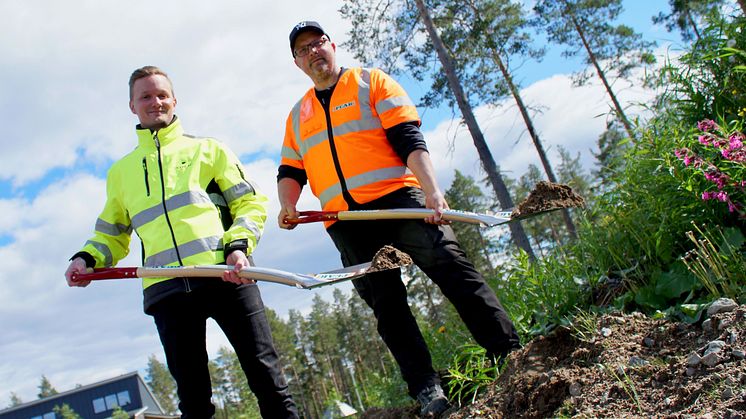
386	258
488	220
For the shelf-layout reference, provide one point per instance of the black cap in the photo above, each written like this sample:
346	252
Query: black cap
306	25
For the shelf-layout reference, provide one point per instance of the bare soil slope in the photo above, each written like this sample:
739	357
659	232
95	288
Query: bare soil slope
621	366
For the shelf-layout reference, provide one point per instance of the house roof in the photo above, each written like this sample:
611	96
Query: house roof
84	388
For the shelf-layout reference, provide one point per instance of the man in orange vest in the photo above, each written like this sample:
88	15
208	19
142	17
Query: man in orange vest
355	138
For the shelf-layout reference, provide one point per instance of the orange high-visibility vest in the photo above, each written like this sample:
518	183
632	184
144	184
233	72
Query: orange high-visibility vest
348	148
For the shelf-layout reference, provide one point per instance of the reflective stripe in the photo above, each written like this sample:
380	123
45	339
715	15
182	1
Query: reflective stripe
238	190
191	248
290	153
362	124
112	229
311	141
218	199
175	202
295	119
249	225
393	102
362	179
104	249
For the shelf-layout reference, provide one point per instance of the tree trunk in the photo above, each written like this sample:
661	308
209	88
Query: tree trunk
742	3
534	137
488	162
693	25
617	106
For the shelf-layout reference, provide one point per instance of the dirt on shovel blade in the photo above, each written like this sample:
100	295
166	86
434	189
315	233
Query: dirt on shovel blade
389	257
547	196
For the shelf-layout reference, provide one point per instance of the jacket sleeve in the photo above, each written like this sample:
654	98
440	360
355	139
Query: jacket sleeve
248	206
290	150
113	231
391	101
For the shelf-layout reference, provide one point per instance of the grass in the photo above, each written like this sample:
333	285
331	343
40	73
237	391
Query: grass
625	382
470	372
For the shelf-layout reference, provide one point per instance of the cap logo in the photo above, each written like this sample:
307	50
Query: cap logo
300	25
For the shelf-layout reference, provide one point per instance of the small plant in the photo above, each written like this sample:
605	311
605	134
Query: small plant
620	375
717	261
470	372
582	326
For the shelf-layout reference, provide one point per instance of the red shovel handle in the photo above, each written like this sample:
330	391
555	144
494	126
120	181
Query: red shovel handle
312	217
106	273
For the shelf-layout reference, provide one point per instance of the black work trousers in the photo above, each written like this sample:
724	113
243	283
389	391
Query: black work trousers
239	311
435	250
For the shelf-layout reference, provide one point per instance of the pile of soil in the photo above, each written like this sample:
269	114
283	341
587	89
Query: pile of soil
389	257
619	366
547	196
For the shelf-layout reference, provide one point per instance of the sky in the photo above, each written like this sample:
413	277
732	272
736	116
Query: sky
64	68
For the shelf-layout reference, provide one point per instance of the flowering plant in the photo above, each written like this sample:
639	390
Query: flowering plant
719	157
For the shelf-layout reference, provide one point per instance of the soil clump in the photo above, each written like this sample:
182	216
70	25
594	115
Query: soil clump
389	257
547	196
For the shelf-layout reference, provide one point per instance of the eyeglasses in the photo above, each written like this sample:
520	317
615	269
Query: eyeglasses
306	49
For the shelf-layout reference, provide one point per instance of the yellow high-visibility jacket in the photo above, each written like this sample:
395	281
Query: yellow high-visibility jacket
347	149
160	190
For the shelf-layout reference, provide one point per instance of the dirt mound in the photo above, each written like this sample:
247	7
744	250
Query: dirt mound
547	196
628	365
621	366
389	257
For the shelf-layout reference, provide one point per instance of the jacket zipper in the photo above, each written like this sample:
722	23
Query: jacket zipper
145	169
337	166
165	210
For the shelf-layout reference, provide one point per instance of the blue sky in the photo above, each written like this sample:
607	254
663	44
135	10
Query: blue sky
64	69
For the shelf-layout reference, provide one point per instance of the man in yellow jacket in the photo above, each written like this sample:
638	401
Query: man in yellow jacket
354	138
188	200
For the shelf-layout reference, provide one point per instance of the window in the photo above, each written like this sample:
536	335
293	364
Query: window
49	415
111	401
99	405
124	398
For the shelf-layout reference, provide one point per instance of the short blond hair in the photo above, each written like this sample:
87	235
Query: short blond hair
148	70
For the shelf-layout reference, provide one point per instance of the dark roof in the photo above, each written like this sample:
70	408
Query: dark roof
84	388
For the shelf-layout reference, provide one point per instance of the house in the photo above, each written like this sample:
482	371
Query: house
96	401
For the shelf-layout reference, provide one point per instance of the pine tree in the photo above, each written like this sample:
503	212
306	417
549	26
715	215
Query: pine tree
611	146
465	194
66	412
119	413
46	388
686	16
162	384
15	400
611	50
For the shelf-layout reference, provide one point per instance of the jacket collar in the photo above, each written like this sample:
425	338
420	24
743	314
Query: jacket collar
166	135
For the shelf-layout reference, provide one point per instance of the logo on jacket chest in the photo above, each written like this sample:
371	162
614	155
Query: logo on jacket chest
343	106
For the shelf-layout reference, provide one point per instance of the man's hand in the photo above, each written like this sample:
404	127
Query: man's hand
239	261
436	202
77	266
285	213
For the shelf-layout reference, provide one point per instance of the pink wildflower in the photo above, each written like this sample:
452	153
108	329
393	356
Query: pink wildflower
707	125
736	141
